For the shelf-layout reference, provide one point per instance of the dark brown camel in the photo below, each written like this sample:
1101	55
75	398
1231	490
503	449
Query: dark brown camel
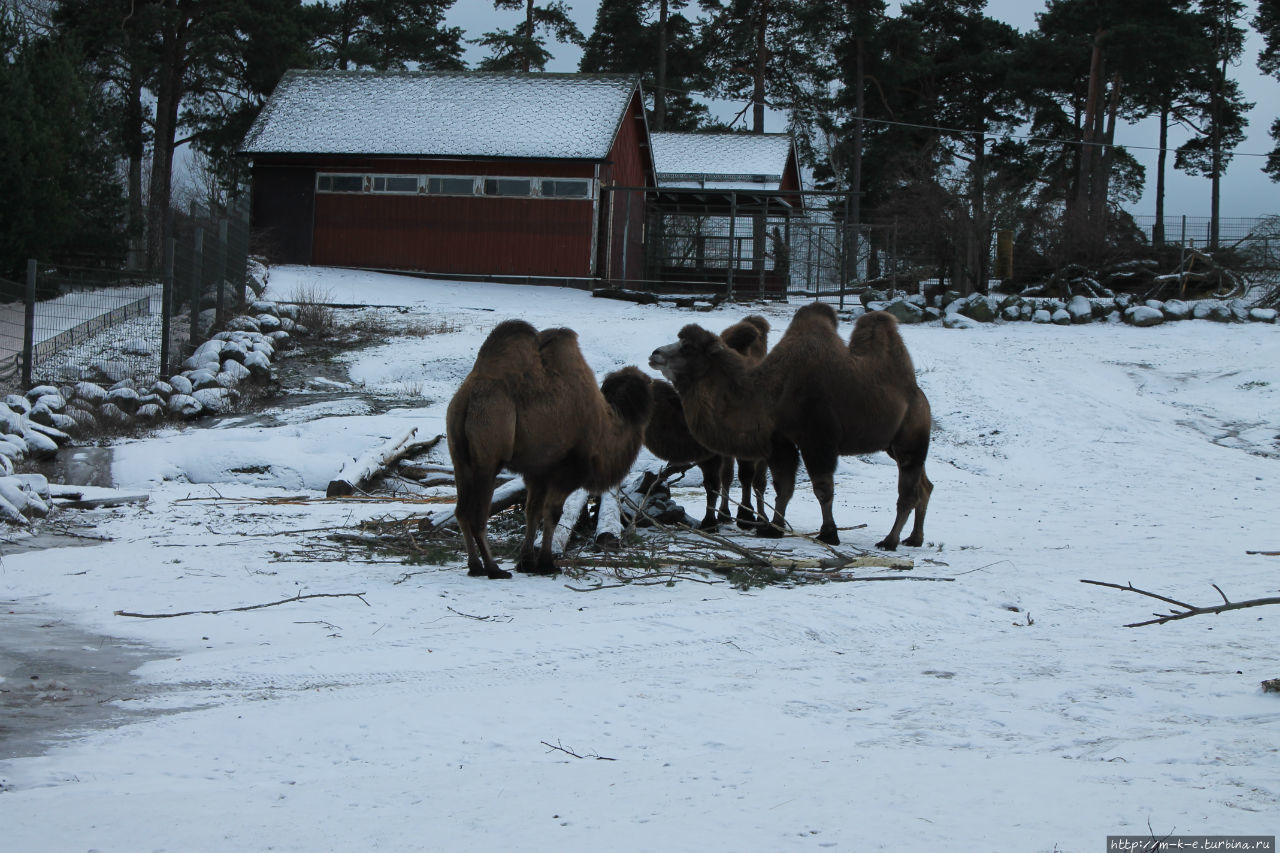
815	395
667	437
531	405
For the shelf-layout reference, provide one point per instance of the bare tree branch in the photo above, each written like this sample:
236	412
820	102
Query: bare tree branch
1188	610
298	597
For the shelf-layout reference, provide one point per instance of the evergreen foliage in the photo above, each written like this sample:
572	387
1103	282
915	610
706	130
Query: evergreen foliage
62	198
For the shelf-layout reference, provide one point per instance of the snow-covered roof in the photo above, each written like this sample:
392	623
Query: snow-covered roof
744	161
434	113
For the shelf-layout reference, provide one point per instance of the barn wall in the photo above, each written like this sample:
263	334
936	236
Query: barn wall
437	234
280	216
623	217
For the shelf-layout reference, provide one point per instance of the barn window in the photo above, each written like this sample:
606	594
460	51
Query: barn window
508	186
451	186
395	183
560	188
341	183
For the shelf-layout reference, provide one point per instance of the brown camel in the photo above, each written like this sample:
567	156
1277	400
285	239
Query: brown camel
667	437
815	395
531	405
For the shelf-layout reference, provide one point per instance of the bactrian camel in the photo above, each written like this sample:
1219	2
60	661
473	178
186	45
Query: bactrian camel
667	437
815	395
531	405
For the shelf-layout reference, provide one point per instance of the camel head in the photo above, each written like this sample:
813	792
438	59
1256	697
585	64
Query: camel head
630	393
690	357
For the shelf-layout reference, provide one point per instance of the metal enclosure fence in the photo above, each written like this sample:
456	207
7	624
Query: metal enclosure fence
67	323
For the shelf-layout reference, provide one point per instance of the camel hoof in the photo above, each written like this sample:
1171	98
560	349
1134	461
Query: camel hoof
495	573
709	523
770	531
829	535
887	545
538	567
913	541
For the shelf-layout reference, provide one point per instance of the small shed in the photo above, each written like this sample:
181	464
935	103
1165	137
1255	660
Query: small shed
722	211
467	174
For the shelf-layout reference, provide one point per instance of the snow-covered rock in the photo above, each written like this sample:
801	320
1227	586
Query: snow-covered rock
1263	315
214	400
1144	315
184	406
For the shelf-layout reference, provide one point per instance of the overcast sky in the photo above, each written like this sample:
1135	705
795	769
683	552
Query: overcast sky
1246	191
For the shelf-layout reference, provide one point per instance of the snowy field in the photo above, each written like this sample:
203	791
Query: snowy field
1005	710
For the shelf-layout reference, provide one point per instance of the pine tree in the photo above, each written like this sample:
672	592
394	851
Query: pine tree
629	37
524	48
1267	22
62	199
383	34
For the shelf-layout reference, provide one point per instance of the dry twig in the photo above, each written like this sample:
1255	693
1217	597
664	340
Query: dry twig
298	597
1188	610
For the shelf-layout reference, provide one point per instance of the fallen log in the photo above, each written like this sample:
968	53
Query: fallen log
573	507
504	497
609	521
360	471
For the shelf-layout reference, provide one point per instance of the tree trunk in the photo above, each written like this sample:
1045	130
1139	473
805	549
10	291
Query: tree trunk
528	48
978	230
1078	211
169	93
135	145
757	89
1098	211
660	88
1157	231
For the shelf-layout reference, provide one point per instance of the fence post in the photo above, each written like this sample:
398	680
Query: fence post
733	250
29	325
166	307
220	270
197	283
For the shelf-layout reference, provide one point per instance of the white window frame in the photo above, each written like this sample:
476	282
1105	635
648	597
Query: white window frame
368	180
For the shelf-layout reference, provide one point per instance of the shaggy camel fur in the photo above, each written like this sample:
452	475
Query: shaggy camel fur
815	395
667	437
531	405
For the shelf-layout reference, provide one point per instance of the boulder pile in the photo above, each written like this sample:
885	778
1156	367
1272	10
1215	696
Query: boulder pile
36	424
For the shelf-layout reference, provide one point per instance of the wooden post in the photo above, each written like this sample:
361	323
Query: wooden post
29	325
197	286
166	307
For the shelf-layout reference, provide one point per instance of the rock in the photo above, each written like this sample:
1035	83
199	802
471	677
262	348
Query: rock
1176	309
242	323
234	350
126	399
281	340
1239	310
90	392
956	320
215	400
137	346
906	312
872	295
39	445
259	365
1042	315
1263	315
1080	309
180	384
235	371
184	406
1060	317
39	391
109	414
263	306
1144	315
106	372
150	413
268	323
40	414
1011	313
161	389
203	378
978	307
18	403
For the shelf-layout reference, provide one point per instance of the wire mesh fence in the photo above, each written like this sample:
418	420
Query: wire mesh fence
70	323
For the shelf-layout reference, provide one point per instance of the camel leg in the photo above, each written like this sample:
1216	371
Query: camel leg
749	471
759	481
913	494
916	539
710	469
784	461
821	463
534	509
475	495
725	474
551	512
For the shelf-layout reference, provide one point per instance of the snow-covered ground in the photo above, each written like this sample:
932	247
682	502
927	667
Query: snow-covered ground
1007	709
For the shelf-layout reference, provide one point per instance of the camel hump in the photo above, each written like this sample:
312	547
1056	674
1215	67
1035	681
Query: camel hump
876	335
630	392
817	312
744	337
551	337
695	334
509	338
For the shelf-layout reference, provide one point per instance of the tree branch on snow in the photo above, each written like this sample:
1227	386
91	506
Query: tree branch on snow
298	597
372	464
1188	610
556	747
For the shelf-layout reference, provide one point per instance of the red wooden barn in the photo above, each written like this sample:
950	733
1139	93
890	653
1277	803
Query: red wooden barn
492	175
